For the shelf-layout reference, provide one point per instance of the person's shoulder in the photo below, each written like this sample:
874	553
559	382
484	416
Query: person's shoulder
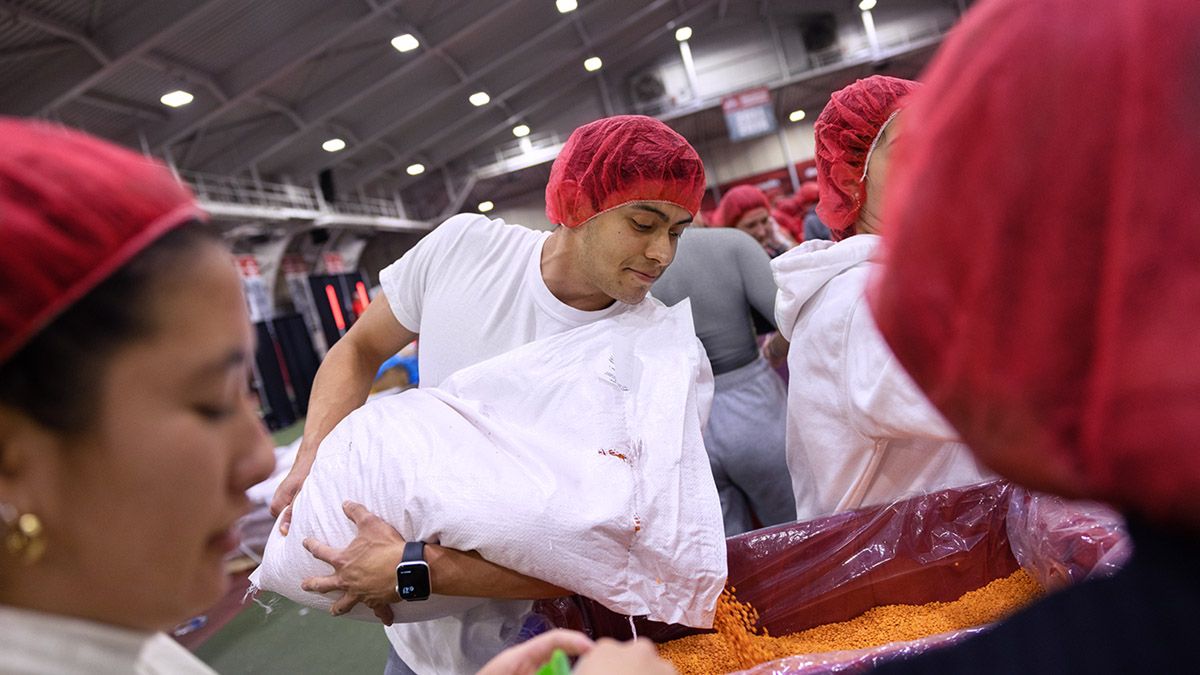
729	239
477	227
474	232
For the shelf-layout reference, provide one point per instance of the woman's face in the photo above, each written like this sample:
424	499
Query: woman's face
871	216
757	223
139	510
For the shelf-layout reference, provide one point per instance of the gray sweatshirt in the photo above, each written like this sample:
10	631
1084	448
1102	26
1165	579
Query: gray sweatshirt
725	273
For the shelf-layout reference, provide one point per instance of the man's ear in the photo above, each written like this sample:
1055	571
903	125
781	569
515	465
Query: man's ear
847	181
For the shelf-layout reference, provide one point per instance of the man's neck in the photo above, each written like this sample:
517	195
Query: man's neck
560	271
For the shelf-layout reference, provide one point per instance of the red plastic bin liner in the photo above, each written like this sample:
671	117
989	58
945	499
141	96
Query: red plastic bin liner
933	547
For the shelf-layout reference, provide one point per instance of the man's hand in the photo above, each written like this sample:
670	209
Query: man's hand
776	350
287	490
527	657
637	656
365	571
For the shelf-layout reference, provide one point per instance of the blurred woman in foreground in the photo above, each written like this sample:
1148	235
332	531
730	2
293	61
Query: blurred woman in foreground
127	433
1042	286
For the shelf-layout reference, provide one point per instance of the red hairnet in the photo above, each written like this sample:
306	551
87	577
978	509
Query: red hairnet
617	160
845	132
787	213
737	202
808	195
73	209
1042	273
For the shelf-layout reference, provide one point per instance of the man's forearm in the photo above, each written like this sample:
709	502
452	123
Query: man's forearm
342	384
454	572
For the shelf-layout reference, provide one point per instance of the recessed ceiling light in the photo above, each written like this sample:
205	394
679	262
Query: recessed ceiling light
521	130
176	98
592	64
796	116
866	5
405	43
333	145
683	33
479	98
415	169
565	6
484	207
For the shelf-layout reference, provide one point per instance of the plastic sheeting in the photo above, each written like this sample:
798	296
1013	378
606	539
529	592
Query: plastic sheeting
1061	542
931	548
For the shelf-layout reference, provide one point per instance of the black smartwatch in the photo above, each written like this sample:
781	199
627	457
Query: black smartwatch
412	574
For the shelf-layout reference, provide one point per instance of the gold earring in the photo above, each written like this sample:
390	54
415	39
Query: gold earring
24	537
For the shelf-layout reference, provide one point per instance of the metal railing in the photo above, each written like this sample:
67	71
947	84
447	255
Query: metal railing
223	194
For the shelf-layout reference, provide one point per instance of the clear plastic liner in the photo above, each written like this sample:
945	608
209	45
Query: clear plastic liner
1061	542
930	548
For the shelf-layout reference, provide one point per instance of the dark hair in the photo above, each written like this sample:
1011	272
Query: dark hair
55	378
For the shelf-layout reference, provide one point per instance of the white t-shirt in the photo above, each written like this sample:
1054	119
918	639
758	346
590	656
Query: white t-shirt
473	289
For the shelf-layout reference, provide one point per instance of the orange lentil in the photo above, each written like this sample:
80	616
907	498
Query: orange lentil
619	455
739	644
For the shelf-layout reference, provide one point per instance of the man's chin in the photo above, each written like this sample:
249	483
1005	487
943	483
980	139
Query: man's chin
635	297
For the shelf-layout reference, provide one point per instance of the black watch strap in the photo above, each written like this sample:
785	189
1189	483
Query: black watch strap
414	551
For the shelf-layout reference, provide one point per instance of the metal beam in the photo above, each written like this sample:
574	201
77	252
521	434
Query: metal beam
623	26
54	27
34	50
122	105
635	51
117	45
165	24
540	76
347	100
175	133
601	81
432	103
456	201
187	72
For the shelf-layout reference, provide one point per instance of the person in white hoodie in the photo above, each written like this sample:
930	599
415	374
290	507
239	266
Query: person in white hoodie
859	432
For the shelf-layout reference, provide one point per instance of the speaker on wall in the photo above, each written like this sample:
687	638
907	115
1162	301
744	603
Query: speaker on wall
325	179
818	31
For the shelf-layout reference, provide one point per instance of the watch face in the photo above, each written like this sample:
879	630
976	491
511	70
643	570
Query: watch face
412	581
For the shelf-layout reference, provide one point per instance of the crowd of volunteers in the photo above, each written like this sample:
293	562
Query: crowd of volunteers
995	275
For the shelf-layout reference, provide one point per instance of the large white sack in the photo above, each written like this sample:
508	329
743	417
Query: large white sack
576	459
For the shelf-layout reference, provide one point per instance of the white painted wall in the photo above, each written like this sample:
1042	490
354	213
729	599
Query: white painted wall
529	210
725	160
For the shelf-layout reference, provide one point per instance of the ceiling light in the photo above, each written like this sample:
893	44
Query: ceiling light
176	98
592	64
415	169
683	33
484	207
565	6
479	98
796	116
405	43
521	130
333	145
866	5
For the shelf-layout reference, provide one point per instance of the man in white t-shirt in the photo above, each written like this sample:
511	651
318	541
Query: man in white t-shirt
622	190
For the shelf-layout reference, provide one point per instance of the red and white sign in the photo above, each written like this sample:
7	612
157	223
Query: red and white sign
749	114
294	265
247	266
334	263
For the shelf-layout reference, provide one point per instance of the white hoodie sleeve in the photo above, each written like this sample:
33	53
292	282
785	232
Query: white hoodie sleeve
883	399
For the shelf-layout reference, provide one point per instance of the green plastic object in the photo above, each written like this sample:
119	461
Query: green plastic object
557	665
